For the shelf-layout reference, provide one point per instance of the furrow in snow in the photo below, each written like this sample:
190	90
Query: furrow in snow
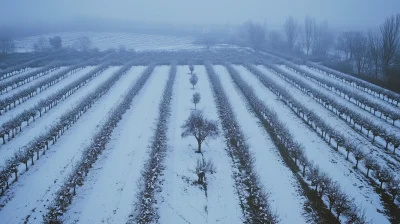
376	120
181	201
276	177
321	153
111	187
43	95
335	122
35	189
372	98
41	125
32	83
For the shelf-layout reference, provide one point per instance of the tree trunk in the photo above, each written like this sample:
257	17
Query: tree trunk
198	146
26	165
357	163
347	157
387	144
367	171
337	217
16	175
381	185
304	171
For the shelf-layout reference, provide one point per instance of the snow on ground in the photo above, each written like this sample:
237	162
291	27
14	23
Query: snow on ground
28	70
108	194
318	151
336	123
31	83
30	196
48	119
181	201
353	107
107	40
275	176
371	98
31	102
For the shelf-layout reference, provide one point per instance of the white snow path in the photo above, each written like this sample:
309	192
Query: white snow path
180	200
31	102
31	195
275	176
335	122
376	120
371	97
318	151
48	119
31	83
108	194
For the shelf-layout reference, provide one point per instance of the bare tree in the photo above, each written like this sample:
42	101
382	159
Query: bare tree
390	31
349	147
191	68
7	45
207	39
296	153
275	40
370	163
83	44
374	50
324	183
199	127
345	44
360	51
359	155
342	204
291	30
203	167
41	45
332	194
193	80
356	215
23	157
393	187
255	35
196	99
383	175
55	42
303	162
309	29
322	39
313	176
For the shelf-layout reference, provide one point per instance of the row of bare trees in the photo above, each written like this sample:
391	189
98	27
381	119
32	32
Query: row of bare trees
374	51
381	173
63	197
42	142
325	187
82	44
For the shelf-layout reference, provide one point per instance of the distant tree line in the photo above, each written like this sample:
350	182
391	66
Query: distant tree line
372	54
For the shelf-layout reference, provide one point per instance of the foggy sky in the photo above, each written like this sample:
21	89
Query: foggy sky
336	12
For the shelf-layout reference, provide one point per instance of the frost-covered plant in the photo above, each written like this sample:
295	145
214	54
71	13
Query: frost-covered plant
193	80
196	99
198	126
202	168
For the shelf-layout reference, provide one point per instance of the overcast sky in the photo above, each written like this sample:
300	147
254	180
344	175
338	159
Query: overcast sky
274	12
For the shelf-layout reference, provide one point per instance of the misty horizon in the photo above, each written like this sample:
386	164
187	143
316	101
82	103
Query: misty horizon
339	13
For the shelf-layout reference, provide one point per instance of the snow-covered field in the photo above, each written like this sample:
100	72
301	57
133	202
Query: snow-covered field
107	40
109	193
